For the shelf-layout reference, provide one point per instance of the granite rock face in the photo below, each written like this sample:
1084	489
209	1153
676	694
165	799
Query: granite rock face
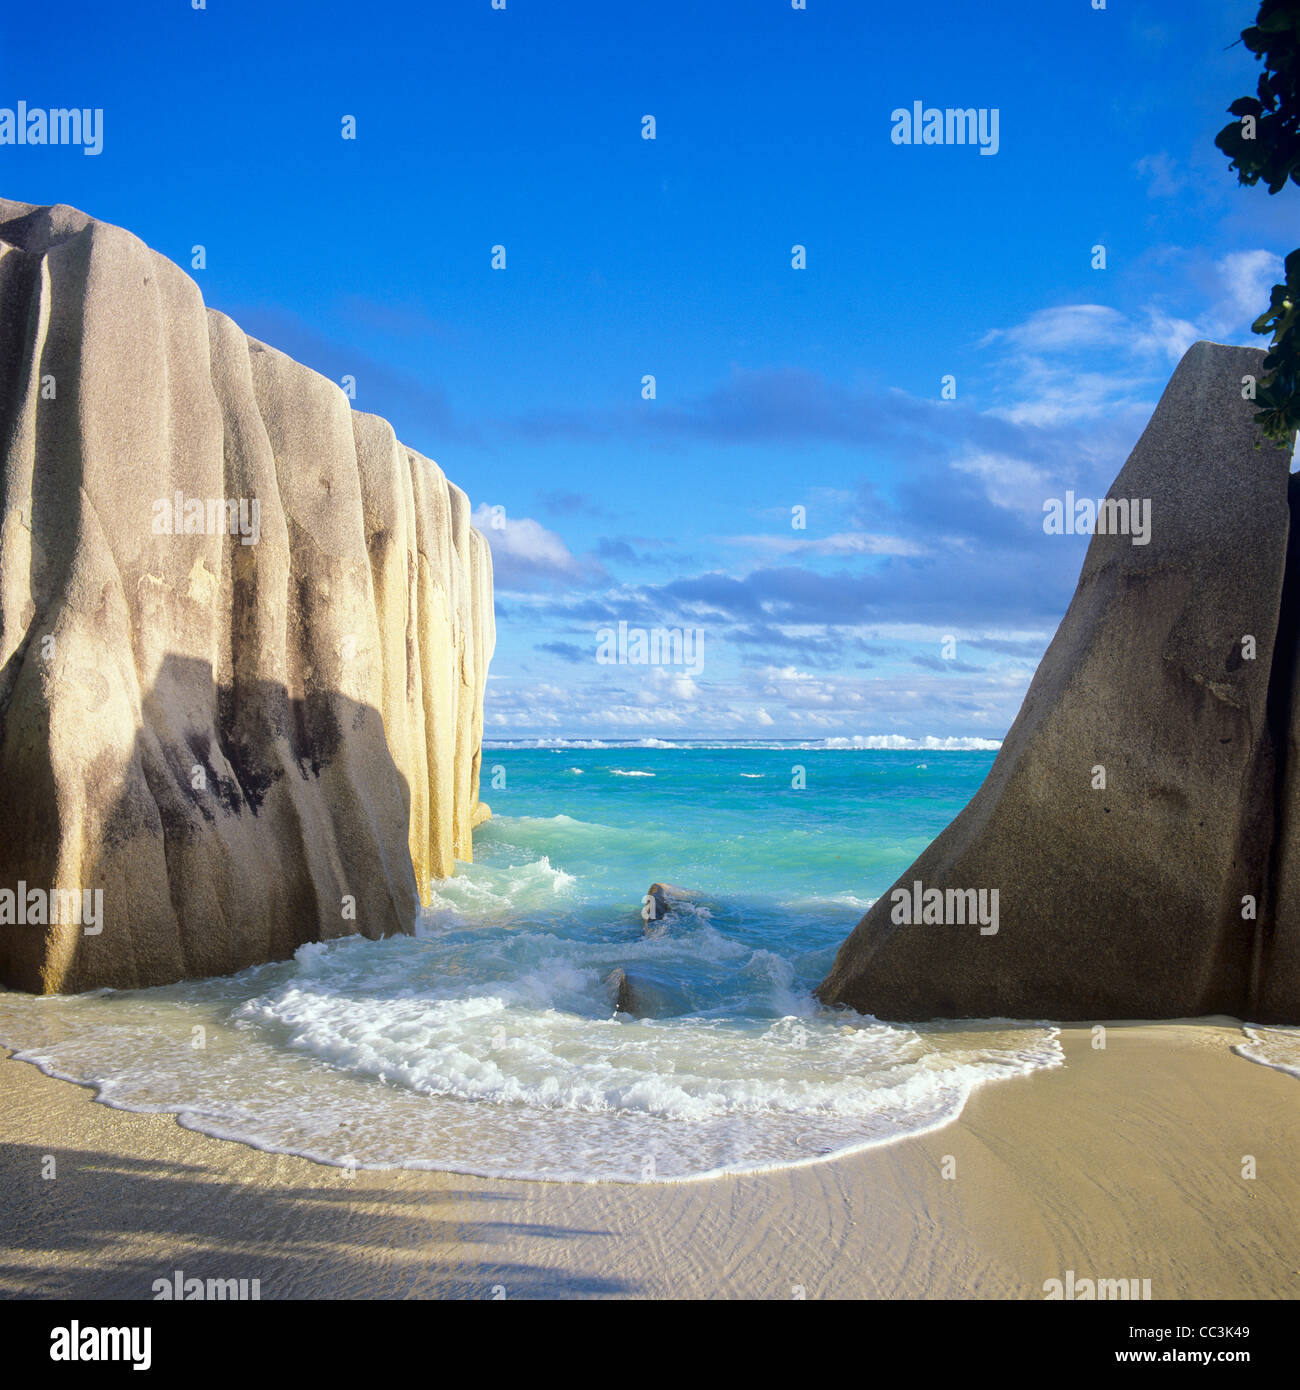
244	634
1139	824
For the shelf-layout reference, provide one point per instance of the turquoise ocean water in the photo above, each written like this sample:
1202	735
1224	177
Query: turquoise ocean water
489	1043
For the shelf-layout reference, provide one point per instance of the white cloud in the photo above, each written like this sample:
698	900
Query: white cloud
1235	292
1139	347
1246	278
1161	174
1008	482
526	555
1064	328
1164	337
841	543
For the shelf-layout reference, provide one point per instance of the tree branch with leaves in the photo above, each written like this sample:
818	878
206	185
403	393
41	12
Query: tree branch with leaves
1263	144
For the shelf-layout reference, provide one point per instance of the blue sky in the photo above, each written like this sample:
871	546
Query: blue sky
776	388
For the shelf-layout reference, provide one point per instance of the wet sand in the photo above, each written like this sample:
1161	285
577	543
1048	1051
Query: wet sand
1125	1163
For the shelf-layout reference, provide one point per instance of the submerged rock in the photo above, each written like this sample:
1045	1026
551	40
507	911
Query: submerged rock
1124	840
244	633
647	993
621	988
660	899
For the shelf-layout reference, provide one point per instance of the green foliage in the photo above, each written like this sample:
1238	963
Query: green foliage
1263	144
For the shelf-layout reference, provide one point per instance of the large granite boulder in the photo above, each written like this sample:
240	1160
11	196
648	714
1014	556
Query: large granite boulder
1132	897
1278	994
244	633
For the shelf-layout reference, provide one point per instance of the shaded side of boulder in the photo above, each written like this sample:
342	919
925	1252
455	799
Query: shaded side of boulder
1279	956
243	741
1124	899
620	987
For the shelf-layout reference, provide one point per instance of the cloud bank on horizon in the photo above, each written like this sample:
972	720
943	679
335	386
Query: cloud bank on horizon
762	412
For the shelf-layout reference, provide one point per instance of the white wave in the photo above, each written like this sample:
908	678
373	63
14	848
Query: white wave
929	744
346	1057
1272	1047
857	742
494	897
834	901
555	744
621	772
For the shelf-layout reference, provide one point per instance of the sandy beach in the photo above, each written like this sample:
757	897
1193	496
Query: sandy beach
1125	1163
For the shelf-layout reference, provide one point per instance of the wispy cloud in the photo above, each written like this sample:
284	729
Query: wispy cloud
1160	171
842	543
528	556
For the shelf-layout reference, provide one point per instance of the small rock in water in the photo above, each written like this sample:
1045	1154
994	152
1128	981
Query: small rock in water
660	898
621	986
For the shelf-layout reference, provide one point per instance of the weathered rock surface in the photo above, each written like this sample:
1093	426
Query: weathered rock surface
243	746
1127	900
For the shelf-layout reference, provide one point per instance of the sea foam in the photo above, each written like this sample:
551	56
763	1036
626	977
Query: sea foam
1272	1047
488	1042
